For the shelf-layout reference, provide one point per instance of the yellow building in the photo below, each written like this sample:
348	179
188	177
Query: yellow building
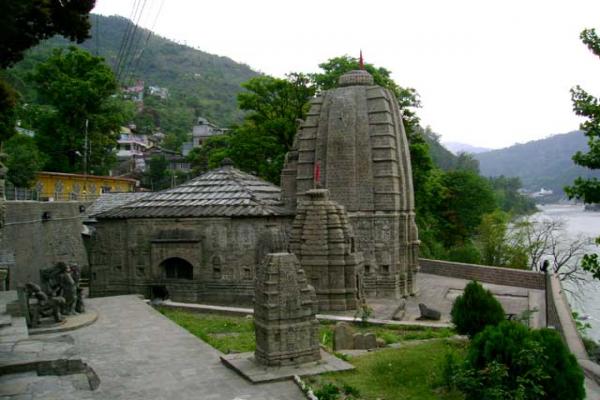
59	186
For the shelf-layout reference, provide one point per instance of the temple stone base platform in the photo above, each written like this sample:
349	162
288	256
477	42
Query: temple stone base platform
70	323
245	364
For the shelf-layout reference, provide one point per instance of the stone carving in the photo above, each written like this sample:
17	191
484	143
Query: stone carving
342	337
429	313
39	305
355	133
323	241
400	311
63	281
285	310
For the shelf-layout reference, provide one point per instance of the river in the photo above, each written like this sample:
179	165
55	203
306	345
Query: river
579	222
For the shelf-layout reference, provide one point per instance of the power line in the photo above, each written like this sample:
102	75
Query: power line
128	49
150	31
126	37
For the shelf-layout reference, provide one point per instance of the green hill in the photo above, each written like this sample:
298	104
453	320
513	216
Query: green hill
199	84
541	163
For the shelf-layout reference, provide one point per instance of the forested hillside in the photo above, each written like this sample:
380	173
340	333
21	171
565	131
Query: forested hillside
543	163
199	84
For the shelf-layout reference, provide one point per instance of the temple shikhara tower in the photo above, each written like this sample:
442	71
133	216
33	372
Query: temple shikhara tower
353	140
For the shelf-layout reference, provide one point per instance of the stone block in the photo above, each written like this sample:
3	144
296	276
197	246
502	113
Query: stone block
429	313
343	337
370	341
359	341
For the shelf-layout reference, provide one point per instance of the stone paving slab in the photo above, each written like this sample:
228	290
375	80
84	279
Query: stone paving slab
138	354
246	365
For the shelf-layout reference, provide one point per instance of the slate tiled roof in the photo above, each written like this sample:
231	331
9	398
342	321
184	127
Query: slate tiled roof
108	201
223	192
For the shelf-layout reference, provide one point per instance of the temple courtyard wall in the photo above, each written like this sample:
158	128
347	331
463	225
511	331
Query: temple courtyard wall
210	260
39	234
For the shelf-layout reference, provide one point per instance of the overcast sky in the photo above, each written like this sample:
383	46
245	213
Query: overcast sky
490	73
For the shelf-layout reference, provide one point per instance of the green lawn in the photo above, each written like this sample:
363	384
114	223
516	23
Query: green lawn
408	373
229	334
236	334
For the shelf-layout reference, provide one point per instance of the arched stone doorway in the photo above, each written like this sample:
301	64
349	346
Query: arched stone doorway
177	268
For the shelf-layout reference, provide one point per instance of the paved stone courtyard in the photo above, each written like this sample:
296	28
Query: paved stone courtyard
138	354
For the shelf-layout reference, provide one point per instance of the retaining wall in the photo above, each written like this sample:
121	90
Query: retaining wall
481	273
38	243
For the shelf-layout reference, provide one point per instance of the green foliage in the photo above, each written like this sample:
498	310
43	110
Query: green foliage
510	361
363	313
466	197
508	197
466	253
497	248
475	309
26	22
23	160
158	176
260	143
75	93
8	112
328	392
411	373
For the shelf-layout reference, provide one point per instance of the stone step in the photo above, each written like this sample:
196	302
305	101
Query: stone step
5	320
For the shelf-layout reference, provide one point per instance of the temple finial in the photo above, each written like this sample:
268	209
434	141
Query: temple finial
361	63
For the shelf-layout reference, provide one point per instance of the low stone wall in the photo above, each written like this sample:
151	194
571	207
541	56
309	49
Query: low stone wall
38	242
481	273
559	317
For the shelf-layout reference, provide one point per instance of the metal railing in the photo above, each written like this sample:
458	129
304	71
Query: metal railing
26	194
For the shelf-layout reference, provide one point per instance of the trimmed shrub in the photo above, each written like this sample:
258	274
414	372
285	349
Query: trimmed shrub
475	309
510	361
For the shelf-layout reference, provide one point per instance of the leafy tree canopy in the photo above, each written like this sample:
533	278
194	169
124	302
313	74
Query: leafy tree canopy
24	23
75	95
24	160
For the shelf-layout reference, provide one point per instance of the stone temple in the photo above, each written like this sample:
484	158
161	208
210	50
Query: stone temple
354	135
323	241
202	241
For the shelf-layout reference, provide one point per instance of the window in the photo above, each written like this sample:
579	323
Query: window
177	268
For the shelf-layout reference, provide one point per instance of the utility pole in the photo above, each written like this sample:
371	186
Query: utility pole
85	148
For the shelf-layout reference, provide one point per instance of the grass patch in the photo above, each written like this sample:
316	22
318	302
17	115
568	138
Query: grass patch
389	333
228	334
233	334
407	373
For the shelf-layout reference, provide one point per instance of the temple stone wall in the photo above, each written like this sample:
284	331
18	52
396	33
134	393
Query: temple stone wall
132	255
34	242
285	308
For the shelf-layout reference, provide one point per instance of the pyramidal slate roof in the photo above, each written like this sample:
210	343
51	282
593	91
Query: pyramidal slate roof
223	192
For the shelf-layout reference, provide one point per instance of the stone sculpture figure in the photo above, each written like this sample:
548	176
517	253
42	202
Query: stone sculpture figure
285	308
58	281
39	305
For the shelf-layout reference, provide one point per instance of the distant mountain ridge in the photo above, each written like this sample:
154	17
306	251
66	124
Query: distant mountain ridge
201	84
540	163
457	147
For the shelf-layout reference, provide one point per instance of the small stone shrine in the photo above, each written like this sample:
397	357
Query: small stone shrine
323	241
285	308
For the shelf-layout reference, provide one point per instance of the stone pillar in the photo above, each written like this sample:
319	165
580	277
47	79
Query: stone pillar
3	271
285	308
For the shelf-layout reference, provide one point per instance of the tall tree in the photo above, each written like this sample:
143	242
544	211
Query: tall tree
24	160
23	24
587	106
76	100
274	106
